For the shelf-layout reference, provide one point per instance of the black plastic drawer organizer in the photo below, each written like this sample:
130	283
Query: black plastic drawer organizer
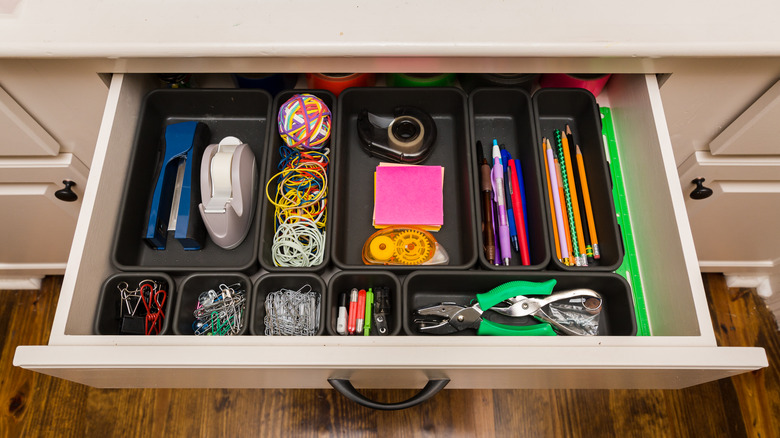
511	116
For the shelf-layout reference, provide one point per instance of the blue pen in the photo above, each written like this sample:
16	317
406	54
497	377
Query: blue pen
505	157
522	192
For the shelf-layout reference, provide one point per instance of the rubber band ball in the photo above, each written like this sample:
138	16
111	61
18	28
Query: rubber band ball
304	122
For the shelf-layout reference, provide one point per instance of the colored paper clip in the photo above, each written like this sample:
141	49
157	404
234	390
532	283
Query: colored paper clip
153	299
183	142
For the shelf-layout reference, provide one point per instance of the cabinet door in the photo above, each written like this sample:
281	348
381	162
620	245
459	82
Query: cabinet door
735	229
22	135
37	227
755	131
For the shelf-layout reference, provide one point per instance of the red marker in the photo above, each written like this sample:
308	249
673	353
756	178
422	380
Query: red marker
353	311
361	311
517	206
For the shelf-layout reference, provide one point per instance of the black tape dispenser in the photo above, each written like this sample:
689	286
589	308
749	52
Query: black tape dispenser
407	137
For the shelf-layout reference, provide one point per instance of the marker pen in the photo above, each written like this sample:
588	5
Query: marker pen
352	317
341	321
361	312
369	306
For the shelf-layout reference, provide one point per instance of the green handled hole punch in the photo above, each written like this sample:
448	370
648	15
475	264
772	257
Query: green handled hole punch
447	318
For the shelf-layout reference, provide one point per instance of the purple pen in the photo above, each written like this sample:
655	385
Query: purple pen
497	176
497	258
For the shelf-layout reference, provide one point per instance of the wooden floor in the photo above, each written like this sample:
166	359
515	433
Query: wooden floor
747	405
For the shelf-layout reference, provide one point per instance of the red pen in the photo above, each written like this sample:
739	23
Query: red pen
361	311
517	205
352	316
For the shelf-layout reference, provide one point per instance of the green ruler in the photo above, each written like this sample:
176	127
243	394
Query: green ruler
629	269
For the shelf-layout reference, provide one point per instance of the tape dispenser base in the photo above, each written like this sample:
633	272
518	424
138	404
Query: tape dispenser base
228	180
407	137
403	245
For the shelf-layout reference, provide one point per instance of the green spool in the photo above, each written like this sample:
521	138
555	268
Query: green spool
421	79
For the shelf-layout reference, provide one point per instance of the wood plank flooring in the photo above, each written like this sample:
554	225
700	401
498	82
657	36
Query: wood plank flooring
32	404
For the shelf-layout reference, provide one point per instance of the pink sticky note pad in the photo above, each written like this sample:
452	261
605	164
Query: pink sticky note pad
409	195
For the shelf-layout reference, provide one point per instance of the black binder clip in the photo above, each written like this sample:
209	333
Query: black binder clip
381	311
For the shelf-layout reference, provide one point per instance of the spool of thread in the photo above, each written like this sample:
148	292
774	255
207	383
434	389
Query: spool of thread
421	79
470	81
304	122
591	82
338	82
273	83
176	80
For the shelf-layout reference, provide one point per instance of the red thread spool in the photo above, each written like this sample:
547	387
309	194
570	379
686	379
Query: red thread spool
338	82
591	82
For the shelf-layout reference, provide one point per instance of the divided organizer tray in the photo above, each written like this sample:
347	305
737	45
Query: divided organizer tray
505	114
353	185
430	288
226	112
554	109
267	224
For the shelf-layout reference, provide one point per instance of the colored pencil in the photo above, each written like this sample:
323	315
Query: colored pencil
566	226
575	207
580	198
552	201
588	206
567	188
557	203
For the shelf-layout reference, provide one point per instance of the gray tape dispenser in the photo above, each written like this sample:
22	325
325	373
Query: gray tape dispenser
228	177
407	137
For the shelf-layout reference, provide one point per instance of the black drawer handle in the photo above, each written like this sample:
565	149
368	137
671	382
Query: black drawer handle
344	386
66	194
700	192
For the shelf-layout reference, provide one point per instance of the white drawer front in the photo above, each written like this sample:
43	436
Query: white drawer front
681	352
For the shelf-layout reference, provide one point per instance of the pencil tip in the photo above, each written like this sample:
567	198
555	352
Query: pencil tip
568	130
578	149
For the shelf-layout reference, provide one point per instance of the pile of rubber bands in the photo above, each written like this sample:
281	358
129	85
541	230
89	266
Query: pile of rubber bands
300	199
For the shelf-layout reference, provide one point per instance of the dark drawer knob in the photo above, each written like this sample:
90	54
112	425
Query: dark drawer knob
700	192
66	194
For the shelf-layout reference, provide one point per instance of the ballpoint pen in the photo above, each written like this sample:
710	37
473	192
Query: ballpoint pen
497	175
510	206
486	189
520	218
519	176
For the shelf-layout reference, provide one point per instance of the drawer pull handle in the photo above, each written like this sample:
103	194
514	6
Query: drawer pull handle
344	386
700	192
66	194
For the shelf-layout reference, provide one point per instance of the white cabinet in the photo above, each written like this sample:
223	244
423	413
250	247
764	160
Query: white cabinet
734	229
681	351
37	227
49	119
22	135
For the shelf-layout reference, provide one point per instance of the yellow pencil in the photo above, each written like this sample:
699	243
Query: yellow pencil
552	207
588	208
582	258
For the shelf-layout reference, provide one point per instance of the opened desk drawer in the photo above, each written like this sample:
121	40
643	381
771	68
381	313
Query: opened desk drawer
681	350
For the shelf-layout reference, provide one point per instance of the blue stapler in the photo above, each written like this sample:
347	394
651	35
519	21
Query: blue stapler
184	141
